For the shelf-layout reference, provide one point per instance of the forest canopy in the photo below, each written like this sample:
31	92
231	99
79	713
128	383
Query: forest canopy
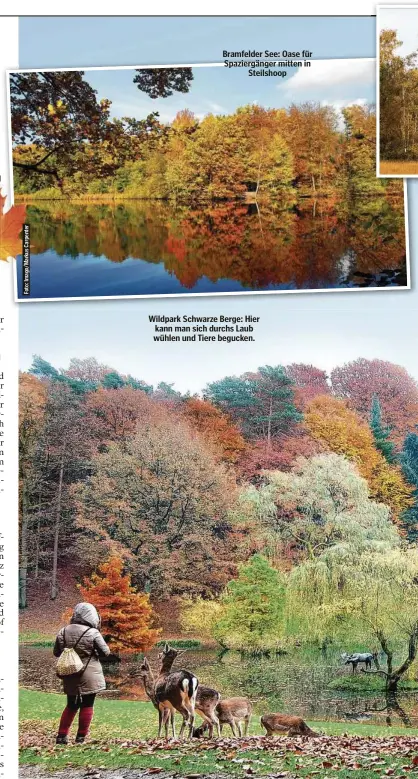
398	100
67	144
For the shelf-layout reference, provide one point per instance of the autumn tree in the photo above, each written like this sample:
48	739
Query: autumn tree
67	451
362	380
87	369
32	401
215	427
398	112
342	430
309	382
162	499
359	150
211	166
114	413
54	112
312	131
126	614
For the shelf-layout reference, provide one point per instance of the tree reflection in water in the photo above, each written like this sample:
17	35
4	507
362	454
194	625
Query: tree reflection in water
296	244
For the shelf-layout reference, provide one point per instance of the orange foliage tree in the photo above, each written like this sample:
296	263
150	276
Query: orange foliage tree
216	428
126	614
330	420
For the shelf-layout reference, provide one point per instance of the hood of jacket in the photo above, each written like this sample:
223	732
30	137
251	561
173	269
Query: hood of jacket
85	614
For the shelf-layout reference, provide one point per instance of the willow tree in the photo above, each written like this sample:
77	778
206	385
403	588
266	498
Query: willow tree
321	503
351	592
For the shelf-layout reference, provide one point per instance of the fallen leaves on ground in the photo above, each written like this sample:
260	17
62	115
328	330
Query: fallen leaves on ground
330	753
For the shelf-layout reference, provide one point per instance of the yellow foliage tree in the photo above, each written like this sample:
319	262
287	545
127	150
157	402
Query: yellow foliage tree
330	420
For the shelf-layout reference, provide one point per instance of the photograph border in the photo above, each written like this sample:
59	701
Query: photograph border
188	295
378	174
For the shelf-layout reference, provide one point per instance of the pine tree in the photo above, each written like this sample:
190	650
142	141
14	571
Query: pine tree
408	459
380	432
126	614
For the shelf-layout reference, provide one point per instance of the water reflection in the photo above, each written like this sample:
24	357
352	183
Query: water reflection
297	683
143	247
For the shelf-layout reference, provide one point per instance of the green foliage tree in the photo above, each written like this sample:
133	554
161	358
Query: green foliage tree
369	596
380	432
320	504
408	459
163	82
262	404
253	608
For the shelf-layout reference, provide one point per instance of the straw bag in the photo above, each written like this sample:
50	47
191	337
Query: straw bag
70	663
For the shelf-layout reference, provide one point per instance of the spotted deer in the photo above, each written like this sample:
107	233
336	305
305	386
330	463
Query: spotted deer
176	691
282	723
233	712
206	697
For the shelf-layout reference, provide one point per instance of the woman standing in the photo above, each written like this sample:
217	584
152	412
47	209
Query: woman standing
84	636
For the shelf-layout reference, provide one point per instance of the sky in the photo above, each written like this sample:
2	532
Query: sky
75	42
405	22
325	329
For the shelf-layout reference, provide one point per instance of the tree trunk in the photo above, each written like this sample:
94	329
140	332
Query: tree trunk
23	566
269	424
54	585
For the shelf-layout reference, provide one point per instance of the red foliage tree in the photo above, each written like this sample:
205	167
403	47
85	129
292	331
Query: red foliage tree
309	382
125	613
361	380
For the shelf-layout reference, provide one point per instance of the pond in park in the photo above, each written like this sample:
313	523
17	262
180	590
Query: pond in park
296	683
88	249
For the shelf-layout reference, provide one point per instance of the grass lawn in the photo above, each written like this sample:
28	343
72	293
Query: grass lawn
394	168
123	732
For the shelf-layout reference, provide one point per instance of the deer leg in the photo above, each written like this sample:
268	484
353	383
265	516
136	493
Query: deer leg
233	728
166	718
215	720
160	722
239	729
186	719
246	724
173	726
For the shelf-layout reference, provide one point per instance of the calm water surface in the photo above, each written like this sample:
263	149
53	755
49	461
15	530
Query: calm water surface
297	683
143	247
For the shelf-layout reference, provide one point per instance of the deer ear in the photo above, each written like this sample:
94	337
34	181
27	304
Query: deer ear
145	663
166	647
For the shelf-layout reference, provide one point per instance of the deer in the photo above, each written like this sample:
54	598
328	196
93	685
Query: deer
232	712
359	657
282	723
175	691
206	698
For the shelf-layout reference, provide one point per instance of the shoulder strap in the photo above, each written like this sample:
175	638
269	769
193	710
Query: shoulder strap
79	639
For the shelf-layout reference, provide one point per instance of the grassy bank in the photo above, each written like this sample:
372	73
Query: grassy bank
120	729
398	168
366	683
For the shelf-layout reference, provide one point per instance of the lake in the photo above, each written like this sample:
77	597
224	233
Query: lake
296	683
129	248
